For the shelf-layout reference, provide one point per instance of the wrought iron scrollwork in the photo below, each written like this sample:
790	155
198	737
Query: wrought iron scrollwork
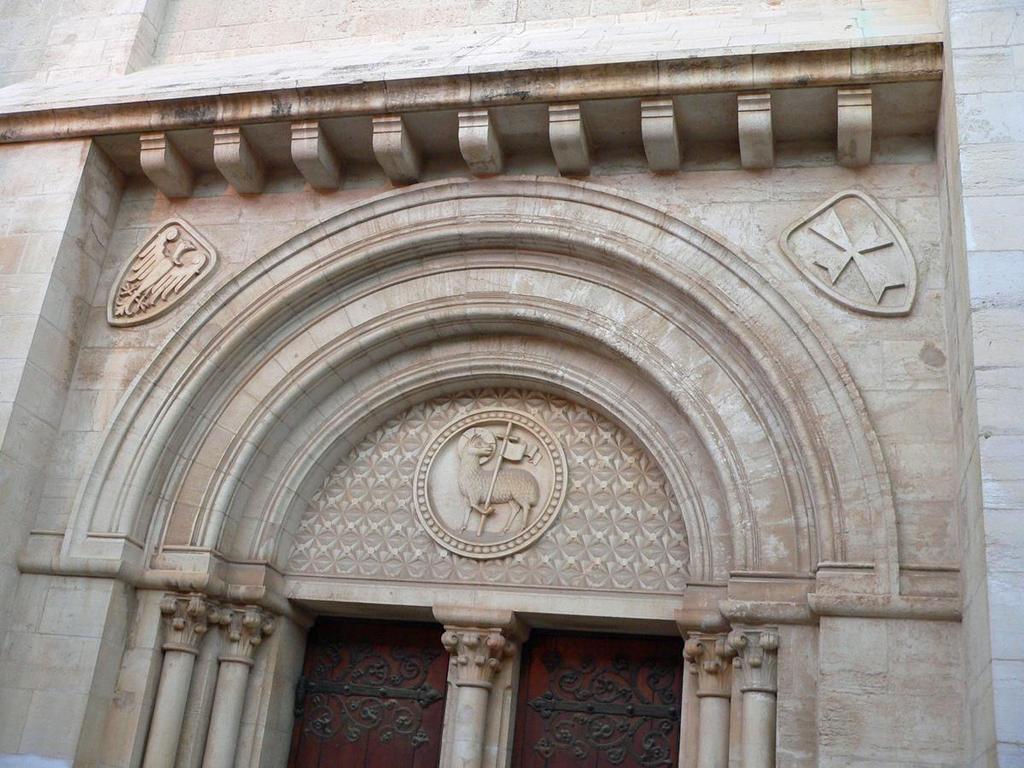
355	690
591	708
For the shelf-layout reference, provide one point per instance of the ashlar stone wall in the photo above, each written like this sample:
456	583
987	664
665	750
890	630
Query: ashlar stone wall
872	683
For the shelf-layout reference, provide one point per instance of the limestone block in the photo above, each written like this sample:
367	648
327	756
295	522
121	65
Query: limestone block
314	157
237	161
479	143
757	143
853	138
567	132
164	165
659	126
395	149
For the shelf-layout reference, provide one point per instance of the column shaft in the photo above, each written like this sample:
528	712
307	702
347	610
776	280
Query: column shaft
758	729
711	656
169	711
186	620
244	630
713	741
470	722
228	701
757	668
478	654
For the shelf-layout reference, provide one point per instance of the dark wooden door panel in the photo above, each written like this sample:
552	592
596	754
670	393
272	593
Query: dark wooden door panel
599	702
371	696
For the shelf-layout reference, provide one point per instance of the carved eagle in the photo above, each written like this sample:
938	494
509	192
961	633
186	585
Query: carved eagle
159	271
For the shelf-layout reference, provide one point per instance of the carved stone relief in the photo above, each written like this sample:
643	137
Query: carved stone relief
170	264
490	483
851	250
619	526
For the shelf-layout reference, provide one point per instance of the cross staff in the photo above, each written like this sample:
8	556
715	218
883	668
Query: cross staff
502	442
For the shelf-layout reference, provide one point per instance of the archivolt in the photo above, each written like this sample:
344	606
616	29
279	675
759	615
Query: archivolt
558	285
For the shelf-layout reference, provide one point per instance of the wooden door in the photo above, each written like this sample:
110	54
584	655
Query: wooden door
599	702
371	696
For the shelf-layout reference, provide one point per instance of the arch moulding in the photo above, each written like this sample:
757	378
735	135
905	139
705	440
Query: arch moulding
558	286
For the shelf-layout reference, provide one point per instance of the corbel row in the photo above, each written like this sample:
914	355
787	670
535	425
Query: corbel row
480	144
188	619
751	654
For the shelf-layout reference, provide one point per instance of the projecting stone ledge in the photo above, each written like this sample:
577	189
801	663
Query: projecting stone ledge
259	87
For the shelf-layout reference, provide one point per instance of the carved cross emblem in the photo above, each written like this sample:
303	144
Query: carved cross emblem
830	227
851	228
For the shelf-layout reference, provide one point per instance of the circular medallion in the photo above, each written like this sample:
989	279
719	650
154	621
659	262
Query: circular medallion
490	483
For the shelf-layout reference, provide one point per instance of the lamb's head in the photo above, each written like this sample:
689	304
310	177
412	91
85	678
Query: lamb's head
477	442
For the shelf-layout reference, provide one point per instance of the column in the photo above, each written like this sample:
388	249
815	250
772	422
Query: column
477	656
756	666
244	630
711	657
186	618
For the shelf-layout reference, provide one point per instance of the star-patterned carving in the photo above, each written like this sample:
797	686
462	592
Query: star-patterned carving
620	527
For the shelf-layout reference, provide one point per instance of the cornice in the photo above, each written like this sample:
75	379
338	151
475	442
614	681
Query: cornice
177	98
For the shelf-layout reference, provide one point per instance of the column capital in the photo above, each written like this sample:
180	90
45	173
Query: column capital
244	628
187	618
756	659
478	653
711	657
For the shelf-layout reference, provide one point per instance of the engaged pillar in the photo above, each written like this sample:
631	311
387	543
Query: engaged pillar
757	669
478	654
186	618
244	629
711	657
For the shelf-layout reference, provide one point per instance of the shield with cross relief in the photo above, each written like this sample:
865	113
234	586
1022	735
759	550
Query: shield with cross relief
852	250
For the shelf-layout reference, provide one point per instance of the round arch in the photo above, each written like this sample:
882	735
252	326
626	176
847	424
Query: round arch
553	284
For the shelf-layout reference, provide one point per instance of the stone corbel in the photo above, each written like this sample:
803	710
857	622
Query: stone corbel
186	619
237	161
757	142
710	656
395	149
479	143
756	666
567	132
244	630
853	137
314	157
659	127
164	166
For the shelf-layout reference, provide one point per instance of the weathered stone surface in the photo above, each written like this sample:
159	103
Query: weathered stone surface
617	405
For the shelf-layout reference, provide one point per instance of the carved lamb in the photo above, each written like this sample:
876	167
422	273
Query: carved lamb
483	490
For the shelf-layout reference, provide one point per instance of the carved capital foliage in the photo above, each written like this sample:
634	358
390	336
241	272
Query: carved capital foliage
244	629
711	657
187	618
478	654
757	658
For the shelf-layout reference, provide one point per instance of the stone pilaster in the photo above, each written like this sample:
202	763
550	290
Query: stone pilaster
711	658
244	630
756	666
478	655
187	622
